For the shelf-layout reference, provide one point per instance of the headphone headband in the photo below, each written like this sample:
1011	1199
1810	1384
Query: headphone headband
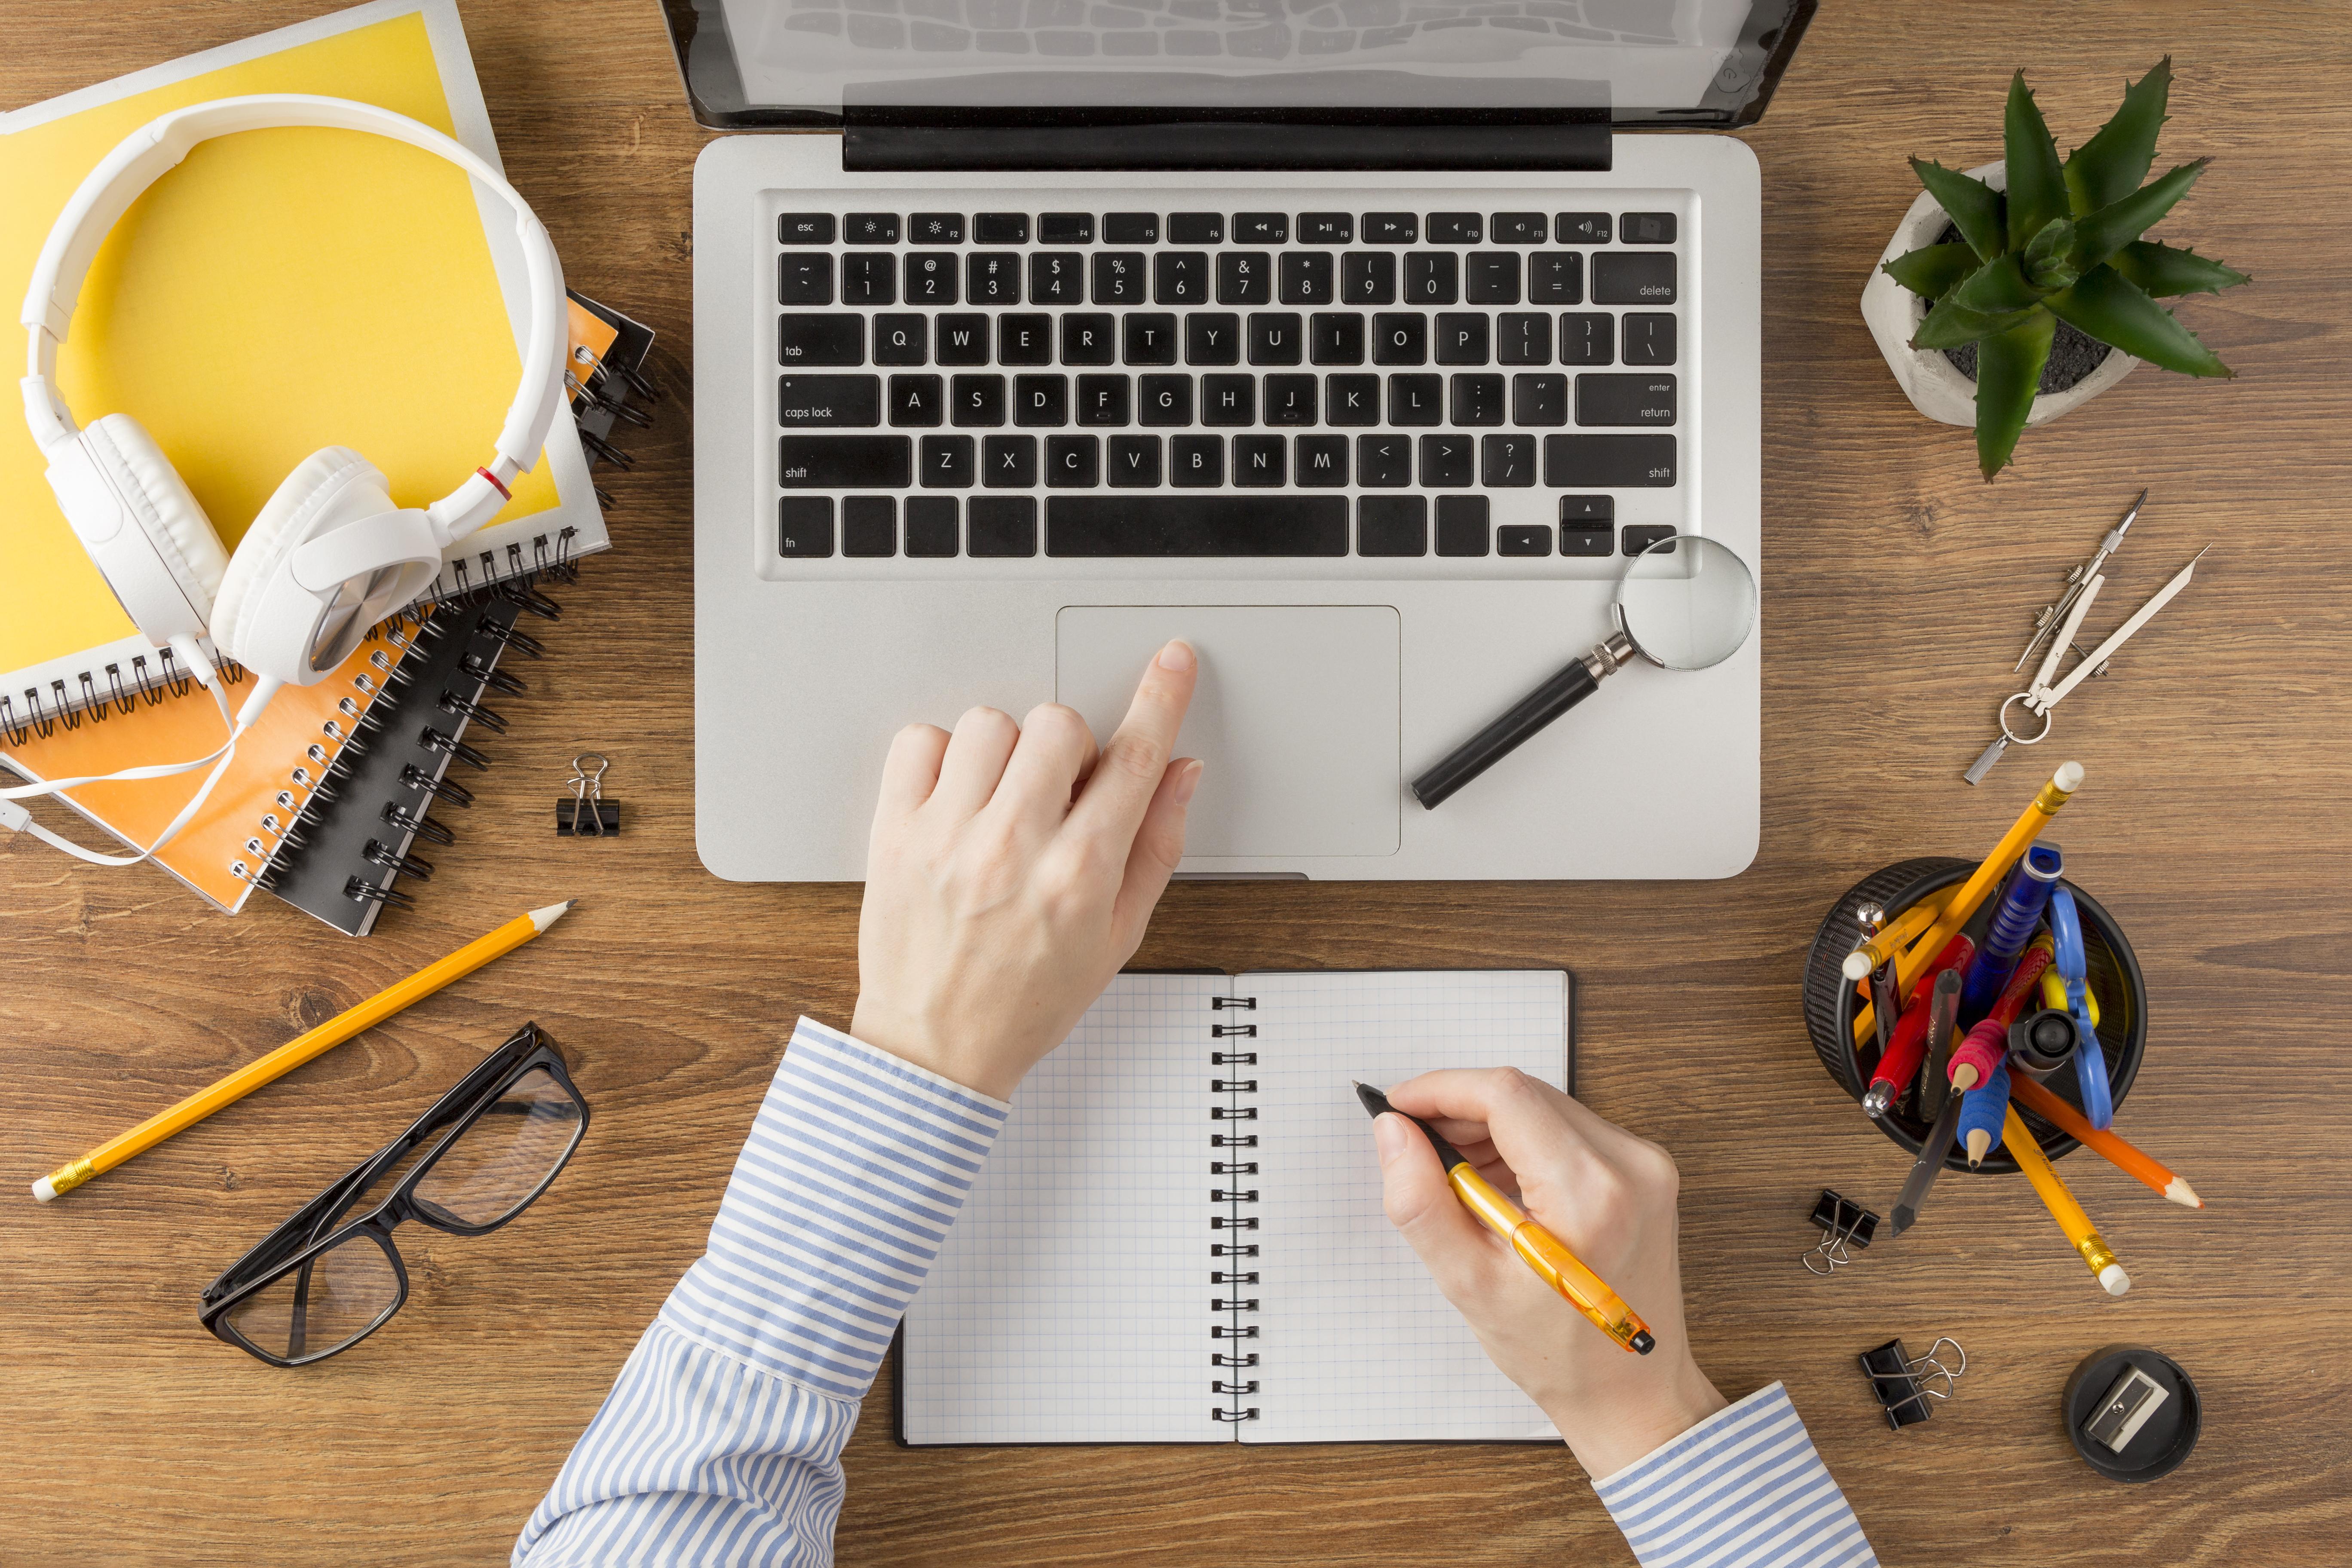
148	153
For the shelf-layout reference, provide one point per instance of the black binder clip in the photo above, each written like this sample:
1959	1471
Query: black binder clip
1844	1224
586	814
1904	1385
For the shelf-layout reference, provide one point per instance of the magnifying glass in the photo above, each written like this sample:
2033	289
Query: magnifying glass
1686	603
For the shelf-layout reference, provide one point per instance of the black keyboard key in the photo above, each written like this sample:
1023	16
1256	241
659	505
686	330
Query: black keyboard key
1518	228
915	401
1462	337
869	526
1523	539
1261	228
979	401
870	228
1042	401
1212	338
1384	461
1196	462
1308	278
1073	462
1352	400
1164	400
902	340
1104	400
1647	228
1392	525
1491	278
1336	338
1001	228
1272	336
963	339
850	400
1245	278
992	276
1367	277
1446	461
1585	336
1556	277
1538	400
1506	462
1634	277
1582	229
1008	463
1649	338
1416	400
1475	399
1261	525
1259	462
1024	338
1609	462
1133	462
804	277
1118	278
821	337
1089	337
1229	400
931	277
804	527
1180	277
1625	399
869	278
1599	540
1321	461
935	228
949	463
1290	400
1457	228
1431	277
1462	525
1196	228
1003	525
1401	337
1392	228
1326	229
1065	228
1640	537
1131	229
1151	339
805	228
1522	337
1056	277
845	462
1587	511
931	526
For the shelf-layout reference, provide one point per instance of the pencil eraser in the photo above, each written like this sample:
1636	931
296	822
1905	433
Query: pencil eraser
2114	1279
1856	965
43	1191
2069	777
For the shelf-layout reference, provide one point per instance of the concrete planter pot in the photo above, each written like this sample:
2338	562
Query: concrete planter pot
1930	380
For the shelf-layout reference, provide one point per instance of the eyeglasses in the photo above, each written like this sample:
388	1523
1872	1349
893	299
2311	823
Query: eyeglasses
320	1283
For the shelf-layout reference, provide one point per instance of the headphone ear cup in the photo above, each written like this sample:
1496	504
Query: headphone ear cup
281	525
162	505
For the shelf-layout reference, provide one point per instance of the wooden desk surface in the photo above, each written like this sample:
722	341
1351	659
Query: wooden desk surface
1898	587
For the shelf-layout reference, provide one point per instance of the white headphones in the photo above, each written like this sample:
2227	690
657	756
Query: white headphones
329	554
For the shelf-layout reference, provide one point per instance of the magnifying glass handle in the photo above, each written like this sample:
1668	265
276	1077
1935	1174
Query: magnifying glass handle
1574	681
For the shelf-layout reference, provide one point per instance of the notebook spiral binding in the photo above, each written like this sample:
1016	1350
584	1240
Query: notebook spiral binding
124	693
1233	1269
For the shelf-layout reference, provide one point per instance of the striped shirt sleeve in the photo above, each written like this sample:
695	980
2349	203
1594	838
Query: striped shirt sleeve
1743	1488
721	1439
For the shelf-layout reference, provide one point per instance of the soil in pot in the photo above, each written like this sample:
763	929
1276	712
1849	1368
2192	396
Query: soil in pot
2074	353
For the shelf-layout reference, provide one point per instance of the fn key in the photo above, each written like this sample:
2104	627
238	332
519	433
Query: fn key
804	527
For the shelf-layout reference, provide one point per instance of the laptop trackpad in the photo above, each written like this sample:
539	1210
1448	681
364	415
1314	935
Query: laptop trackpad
1294	717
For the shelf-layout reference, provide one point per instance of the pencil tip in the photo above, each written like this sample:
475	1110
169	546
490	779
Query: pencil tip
545	918
2184	1195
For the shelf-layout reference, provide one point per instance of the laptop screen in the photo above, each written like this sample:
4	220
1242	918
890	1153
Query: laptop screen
800	62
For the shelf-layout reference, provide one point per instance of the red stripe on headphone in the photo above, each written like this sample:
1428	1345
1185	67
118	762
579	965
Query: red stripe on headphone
494	483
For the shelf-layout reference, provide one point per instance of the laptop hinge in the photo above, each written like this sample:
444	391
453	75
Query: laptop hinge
903	140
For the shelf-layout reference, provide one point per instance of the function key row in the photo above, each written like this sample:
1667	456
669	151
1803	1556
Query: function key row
1218	228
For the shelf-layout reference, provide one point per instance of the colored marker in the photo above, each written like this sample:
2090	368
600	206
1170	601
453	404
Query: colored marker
2013	919
1900	1063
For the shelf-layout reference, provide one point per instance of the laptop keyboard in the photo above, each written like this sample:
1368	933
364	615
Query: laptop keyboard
1087	384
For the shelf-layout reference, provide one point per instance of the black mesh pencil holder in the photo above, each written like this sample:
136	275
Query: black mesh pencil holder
1832	1001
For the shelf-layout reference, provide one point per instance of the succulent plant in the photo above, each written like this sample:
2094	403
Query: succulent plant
2061	244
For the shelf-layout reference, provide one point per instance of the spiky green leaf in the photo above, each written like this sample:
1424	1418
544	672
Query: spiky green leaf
2111	164
2099	234
2037	182
2164	270
1974	207
1948	326
2118	311
2045	259
1932	269
1997	286
2009	372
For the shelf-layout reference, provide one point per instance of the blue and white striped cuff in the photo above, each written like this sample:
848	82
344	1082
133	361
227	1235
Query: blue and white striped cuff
854	1170
1747	1487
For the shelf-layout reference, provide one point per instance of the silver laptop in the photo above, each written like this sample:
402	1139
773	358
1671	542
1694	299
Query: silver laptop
1358	342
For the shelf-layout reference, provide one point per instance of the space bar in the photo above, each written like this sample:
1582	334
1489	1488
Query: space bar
1196	525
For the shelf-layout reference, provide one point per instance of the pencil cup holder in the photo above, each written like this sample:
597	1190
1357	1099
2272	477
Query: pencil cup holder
1832	1001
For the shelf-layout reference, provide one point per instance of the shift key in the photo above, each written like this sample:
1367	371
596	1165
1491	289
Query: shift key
802	400
845	462
821	337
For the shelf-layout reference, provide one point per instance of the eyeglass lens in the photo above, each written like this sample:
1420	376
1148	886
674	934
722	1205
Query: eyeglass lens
507	1154
323	1304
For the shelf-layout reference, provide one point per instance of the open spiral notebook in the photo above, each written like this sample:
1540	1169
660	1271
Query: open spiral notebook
1178	1236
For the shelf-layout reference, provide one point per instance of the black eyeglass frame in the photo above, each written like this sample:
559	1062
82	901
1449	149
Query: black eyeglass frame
285	1250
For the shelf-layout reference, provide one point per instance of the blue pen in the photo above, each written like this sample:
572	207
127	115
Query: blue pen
1983	1111
2013	919
2073	965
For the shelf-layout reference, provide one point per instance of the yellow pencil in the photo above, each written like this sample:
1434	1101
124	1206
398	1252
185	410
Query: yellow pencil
1895	935
300	1049
2063	1206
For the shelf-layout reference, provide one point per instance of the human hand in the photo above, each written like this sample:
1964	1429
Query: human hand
1610	1196
1010	873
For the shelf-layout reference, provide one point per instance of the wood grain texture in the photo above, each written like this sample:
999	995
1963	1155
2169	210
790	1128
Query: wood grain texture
1897	589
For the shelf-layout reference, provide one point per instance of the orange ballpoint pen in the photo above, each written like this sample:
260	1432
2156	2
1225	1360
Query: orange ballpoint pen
1539	1248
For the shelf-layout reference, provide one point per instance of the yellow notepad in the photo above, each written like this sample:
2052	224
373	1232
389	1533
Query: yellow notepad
247	308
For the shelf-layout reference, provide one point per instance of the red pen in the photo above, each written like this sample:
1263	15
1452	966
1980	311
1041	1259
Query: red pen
1972	1061
1899	1064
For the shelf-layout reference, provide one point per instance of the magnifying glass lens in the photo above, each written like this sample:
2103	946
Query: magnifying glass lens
1687	603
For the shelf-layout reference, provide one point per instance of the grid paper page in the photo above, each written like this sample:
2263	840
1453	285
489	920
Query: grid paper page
1071	1302
1358	1344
